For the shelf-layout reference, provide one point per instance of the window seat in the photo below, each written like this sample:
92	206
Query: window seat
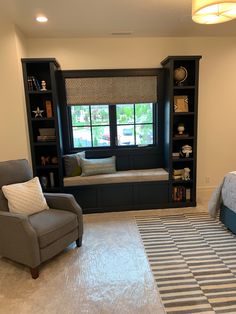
140	175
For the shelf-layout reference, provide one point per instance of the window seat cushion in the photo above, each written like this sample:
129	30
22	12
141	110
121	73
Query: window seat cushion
141	175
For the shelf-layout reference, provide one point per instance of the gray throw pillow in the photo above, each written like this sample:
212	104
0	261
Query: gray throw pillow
72	164
98	166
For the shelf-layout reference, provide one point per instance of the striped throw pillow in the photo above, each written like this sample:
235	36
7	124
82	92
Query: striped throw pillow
91	167
25	198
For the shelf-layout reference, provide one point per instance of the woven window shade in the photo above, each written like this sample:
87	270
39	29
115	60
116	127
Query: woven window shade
111	90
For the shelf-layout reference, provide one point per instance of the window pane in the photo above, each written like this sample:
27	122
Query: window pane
82	137
100	114
144	134
144	113
125	114
101	136
80	115
125	134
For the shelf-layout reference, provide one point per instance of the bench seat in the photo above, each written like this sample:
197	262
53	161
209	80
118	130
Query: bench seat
140	175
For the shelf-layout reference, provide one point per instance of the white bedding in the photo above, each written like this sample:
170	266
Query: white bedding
225	194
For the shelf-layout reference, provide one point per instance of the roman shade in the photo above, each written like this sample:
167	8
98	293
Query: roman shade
111	90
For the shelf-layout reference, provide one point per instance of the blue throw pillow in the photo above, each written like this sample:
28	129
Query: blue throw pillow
91	167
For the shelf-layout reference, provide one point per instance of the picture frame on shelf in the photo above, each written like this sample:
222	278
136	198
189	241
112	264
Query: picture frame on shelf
181	103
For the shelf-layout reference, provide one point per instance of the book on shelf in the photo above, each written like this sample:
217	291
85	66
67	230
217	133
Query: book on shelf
178	172
177	177
175	155
45	138
51	178
33	83
179	193
188	194
30	83
48	105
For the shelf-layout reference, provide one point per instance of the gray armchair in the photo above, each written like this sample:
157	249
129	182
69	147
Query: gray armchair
33	239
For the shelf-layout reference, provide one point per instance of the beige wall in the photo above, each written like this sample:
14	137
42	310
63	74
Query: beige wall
13	133
217	93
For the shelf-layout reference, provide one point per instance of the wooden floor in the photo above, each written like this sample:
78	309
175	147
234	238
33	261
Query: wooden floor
108	274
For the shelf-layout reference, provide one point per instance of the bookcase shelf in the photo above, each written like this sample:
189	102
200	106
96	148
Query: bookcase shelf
52	143
183	138
43	120
182	159
183	113
38	92
183	87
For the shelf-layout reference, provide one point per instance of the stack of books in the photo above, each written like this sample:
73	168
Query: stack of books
178	174
181	194
175	155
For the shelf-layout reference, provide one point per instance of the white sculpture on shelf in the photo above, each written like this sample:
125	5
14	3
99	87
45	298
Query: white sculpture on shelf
186	174
43	86
186	150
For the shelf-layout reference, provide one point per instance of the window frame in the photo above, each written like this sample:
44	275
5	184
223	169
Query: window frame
90	125
158	114
154	124
113	127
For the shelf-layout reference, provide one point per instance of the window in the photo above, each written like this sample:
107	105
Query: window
113	110
134	124
90	126
112	125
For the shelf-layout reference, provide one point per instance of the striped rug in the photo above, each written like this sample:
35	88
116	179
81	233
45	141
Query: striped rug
193	260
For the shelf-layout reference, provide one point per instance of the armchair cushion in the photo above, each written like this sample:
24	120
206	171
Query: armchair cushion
26	197
52	224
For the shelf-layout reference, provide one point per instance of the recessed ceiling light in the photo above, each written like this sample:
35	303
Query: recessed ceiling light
41	19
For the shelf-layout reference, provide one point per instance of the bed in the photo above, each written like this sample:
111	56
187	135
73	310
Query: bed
223	201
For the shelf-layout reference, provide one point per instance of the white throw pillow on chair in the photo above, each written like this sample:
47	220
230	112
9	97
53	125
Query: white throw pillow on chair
25	198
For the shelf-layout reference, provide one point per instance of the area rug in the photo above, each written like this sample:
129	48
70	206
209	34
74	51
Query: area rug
193	260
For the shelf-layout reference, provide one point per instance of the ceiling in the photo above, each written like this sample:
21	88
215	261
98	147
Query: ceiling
110	18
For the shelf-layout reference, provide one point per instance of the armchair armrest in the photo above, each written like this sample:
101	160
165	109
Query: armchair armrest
65	202
18	239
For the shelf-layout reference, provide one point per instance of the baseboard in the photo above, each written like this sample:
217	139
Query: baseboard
204	193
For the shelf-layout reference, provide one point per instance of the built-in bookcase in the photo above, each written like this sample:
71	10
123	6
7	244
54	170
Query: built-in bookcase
43	120
181	108
179	98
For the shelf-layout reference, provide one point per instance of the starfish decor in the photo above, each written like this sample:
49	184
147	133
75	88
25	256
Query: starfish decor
38	112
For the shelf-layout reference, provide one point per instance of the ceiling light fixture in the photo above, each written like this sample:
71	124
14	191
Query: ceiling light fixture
41	19
213	11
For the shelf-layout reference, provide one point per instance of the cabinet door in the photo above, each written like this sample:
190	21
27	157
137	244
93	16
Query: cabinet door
154	194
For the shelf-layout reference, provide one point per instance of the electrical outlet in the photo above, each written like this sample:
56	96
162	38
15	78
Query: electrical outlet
207	179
